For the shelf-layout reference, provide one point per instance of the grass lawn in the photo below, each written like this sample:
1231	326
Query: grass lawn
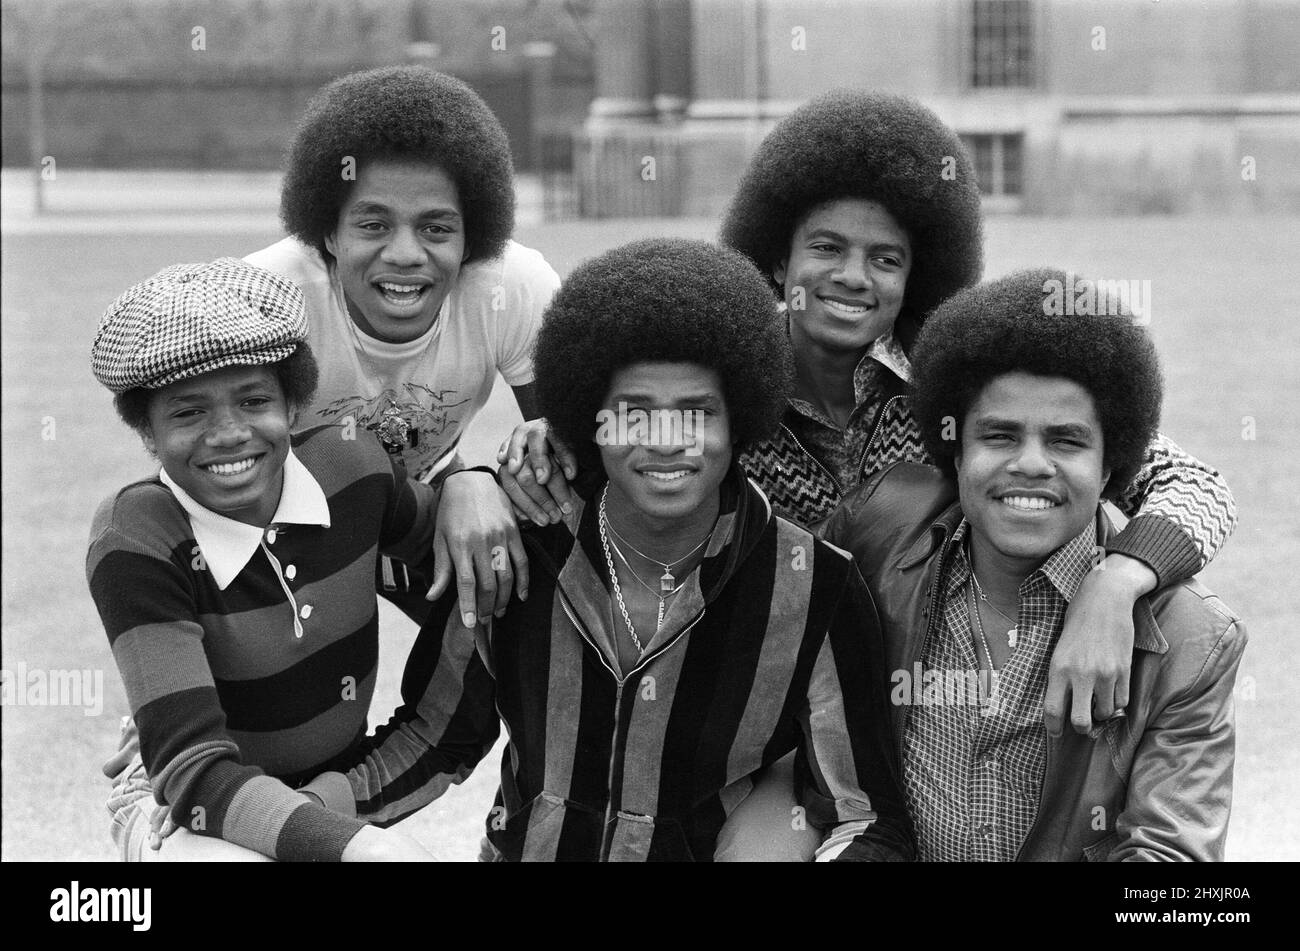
1225	323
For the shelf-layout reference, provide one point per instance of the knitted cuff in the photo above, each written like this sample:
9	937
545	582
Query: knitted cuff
313	834
1160	544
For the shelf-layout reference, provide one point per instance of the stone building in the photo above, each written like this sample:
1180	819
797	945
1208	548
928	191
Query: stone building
1068	106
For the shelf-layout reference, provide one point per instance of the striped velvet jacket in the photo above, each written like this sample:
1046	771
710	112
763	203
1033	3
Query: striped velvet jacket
772	647
234	708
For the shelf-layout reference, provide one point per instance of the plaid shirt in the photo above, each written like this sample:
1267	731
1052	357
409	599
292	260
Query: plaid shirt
973	771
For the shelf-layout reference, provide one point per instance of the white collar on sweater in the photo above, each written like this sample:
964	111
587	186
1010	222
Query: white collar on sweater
227	545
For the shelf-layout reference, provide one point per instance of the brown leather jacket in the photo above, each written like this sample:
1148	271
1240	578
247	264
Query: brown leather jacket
1155	785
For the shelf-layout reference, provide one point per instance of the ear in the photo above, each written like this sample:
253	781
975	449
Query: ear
331	244
146	436
779	271
1105	481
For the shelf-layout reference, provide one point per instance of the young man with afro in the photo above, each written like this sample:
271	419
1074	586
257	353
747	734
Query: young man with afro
862	211
972	567
680	636
398	199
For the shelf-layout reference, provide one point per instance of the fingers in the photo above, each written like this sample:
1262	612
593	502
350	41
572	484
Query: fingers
524	504
515	545
1103	700
515	448
442	570
1081	706
503	583
512	451
476	586
565	457
160	826
1121	691
539	455
558	487
525	493
1054	701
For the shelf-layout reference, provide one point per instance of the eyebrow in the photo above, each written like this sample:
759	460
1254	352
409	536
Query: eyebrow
375	208
1075	430
191	396
875	246
704	397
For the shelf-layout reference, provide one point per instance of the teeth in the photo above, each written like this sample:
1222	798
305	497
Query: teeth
231	468
667	476
400	288
1025	502
846	308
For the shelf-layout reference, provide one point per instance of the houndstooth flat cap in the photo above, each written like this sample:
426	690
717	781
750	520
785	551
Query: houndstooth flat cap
190	319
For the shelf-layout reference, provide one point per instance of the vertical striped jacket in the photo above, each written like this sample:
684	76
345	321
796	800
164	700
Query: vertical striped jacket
234	708
774	646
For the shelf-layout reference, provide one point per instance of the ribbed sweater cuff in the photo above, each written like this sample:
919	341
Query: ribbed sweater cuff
1161	545
313	834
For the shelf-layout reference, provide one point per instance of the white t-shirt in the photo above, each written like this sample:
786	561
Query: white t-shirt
436	383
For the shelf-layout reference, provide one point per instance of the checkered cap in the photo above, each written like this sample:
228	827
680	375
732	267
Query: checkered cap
190	319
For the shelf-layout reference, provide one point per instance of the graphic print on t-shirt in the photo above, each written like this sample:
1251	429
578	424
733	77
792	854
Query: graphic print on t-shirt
397	419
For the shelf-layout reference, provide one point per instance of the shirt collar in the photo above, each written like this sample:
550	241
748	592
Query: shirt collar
227	545
1065	569
886	350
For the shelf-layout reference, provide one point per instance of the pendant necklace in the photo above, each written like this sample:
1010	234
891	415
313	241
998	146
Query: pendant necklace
665	590
662	596
1013	634
667	582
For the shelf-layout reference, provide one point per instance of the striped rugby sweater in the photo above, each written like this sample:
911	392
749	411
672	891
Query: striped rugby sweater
234	709
772	646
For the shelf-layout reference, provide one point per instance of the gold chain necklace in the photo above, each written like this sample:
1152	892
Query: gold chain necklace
603	521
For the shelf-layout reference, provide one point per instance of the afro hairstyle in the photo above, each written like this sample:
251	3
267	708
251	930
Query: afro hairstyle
884	148
297	374
403	113
668	300
1008	326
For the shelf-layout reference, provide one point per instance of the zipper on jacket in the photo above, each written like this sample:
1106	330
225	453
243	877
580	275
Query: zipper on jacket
607	834
875	431
830	475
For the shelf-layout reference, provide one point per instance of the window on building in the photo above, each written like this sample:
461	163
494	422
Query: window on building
999	163
1002	44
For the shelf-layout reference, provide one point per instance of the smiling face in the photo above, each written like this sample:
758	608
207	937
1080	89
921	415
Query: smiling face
674	482
1030	472
399	245
223	437
845	276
